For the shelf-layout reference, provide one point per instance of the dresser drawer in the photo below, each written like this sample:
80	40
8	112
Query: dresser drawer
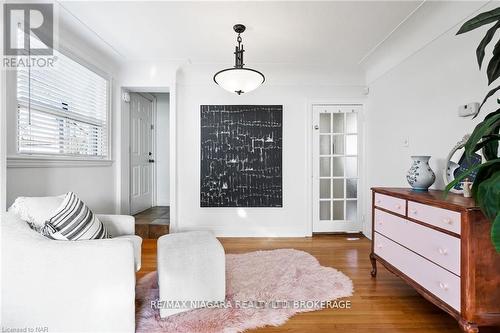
441	283
439	217
436	246
392	204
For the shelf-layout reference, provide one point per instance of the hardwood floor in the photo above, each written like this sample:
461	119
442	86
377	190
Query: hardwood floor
385	304
153	222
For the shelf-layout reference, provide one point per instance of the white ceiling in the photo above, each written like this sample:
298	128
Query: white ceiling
332	34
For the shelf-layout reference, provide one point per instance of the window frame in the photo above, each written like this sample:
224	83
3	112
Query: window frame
16	159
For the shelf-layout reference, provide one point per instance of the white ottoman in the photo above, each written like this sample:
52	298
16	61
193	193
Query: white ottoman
191	267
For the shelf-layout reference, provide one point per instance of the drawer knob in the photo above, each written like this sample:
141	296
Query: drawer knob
379	222
443	251
413	211
379	246
447	220
378	201
443	286
398	207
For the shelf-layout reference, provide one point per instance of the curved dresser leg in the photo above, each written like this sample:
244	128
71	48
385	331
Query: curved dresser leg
468	327
374	265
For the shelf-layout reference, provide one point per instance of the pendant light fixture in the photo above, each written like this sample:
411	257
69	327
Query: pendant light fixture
239	79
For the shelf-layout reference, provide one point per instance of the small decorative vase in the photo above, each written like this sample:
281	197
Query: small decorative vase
420	176
467	187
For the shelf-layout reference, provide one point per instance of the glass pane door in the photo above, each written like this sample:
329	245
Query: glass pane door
336	159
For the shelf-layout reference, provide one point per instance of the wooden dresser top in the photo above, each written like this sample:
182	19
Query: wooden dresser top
433	197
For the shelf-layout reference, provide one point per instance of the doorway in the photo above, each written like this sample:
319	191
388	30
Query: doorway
141	151
149	152
336	163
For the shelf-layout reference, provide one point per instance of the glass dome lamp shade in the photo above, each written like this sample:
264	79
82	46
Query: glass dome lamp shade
239	80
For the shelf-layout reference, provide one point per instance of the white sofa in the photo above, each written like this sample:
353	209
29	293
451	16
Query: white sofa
69	286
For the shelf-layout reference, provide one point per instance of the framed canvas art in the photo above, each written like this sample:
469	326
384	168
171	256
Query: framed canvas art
241	155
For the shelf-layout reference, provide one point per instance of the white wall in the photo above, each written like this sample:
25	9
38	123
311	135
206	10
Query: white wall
418	99
95	185
195	88
162	159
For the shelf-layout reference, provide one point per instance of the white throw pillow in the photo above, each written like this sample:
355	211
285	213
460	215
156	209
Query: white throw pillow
36	210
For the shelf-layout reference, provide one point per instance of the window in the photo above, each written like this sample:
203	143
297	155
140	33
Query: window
62	111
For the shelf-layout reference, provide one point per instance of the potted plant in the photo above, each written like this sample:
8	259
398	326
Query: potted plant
486	135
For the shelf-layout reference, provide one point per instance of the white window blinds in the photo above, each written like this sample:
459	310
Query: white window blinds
62	110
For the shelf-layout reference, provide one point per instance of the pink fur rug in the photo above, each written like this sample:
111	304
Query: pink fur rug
278	275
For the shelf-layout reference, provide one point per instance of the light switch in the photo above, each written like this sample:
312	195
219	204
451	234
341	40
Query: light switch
406	142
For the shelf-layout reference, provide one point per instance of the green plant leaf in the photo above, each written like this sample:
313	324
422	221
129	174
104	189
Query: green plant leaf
488	139
493	70
482	129
488	198
480	20
482	175
495	233
491	115
480	51
488	195
467	172
490	149
488	95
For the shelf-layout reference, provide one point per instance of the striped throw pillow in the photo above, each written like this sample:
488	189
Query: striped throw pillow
73	220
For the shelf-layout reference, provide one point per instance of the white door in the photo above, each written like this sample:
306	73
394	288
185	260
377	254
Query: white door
141	153
336	143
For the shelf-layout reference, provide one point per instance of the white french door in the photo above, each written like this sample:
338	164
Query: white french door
141	153
336	156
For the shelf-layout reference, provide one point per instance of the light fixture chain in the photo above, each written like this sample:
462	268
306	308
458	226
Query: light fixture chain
239	79
239	53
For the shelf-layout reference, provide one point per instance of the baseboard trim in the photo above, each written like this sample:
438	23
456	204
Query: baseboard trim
232	232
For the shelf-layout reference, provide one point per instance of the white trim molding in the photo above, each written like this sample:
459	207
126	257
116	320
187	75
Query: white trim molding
52	162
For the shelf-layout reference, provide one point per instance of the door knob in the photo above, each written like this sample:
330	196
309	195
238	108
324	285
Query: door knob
151	161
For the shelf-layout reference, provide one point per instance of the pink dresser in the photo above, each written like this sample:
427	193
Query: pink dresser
440	246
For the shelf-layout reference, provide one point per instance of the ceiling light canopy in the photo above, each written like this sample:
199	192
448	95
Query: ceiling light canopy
238	79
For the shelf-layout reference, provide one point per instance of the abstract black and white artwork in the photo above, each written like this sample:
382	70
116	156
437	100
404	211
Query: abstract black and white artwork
241	155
